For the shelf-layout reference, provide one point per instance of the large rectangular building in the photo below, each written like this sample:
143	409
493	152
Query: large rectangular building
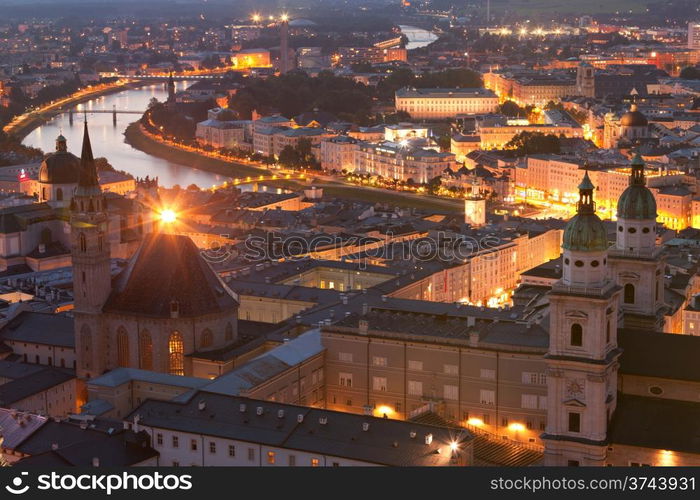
438	104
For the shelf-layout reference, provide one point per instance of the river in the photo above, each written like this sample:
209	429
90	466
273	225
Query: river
108	139
417	37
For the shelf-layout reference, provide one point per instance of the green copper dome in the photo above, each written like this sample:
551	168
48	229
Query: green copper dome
637	201
585	231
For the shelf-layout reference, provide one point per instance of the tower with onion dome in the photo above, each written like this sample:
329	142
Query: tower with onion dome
583	352
636	262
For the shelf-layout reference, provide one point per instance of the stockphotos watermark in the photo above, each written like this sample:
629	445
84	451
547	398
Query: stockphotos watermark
100	483
445	247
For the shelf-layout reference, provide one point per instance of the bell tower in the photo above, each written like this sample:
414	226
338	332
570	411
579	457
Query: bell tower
636	262
91	262
583	352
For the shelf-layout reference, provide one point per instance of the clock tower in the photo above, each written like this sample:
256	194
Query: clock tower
583	352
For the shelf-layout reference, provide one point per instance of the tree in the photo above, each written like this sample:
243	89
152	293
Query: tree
526	143
690	73
289	157
510	108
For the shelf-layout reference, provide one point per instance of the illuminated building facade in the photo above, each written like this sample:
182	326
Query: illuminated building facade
424	104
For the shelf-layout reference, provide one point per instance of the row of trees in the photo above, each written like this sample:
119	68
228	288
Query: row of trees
295	92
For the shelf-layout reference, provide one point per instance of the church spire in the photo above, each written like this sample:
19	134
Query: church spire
637	177
88	169
586	205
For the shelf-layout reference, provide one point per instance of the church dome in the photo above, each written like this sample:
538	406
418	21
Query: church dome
60	167
585	231
637	201
634	118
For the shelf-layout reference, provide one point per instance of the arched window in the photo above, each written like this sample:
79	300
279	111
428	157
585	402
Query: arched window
46	236
176	354
228	335
85	347
576	335
145	351
629	293
122	347
59	194
207	339
83	242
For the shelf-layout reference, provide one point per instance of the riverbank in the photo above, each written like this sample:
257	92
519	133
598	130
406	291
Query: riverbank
136	138
35	119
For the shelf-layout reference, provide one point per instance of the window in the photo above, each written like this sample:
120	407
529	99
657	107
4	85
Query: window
271	457
487	373
212	447
145	350
528	401
379	384
451	392
345	356
415	388
207	339
629	293
231	450
176	442
574	422
487	397
83	242
159	439
193	445
314	462
345	379
176	354
379	361
251	454
534	378
292	460
450	369
122	348
86	346
576	338
415	365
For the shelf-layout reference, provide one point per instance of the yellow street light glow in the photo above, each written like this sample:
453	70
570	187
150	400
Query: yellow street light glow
256	18
168	216
477	422
516	427
523	31
453	446
384	410
284	18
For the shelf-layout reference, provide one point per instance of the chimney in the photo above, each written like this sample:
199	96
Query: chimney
363	327
259	410
95	461
202	405
428	438
54	446
300	418
280	413
42	248
241	407
137	418
365	426
365	309
473	338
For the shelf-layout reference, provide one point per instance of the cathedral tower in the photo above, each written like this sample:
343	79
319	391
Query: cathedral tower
91	261
636	262
582	357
